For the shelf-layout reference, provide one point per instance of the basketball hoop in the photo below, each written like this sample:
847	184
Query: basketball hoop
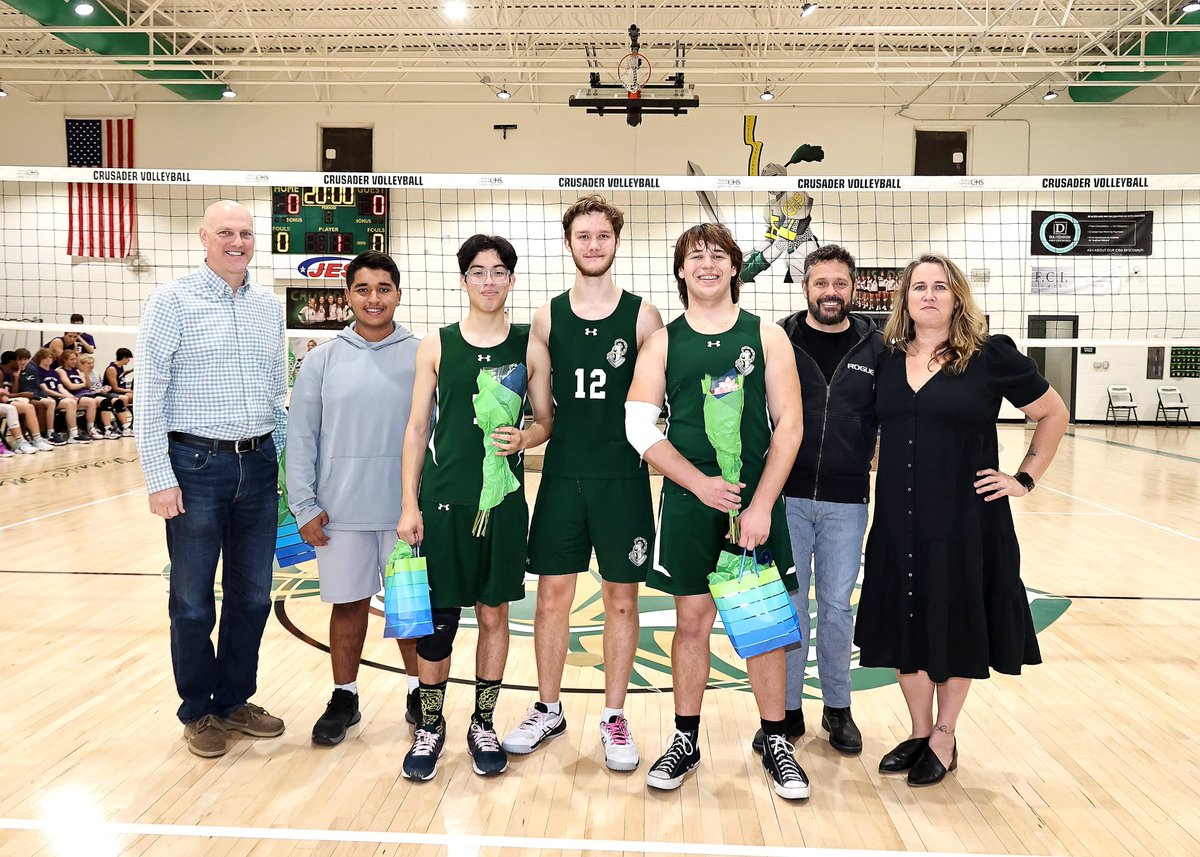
634	72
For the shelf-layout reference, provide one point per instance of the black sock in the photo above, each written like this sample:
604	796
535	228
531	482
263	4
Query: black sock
433	698
774	727
689	723
487	692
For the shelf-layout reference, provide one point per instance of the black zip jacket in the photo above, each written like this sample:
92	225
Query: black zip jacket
840	426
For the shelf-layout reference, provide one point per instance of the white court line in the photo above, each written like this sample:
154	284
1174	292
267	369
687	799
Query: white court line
71	509
1084	514
460	843
1125	515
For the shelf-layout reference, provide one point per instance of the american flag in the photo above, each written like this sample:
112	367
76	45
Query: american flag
101	218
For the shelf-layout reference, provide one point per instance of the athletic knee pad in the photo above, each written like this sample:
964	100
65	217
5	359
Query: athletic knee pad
438	645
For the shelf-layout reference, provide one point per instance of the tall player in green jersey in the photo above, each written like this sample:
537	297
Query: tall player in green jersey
441	480
714	337
595	491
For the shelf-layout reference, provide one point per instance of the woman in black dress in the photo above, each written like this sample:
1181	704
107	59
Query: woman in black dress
942	598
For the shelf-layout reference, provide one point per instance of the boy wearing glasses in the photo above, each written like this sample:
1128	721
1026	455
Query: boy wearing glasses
442	480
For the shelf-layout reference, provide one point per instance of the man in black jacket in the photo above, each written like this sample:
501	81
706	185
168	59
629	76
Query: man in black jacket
827	491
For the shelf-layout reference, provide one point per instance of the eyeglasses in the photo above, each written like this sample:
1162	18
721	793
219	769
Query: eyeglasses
478	276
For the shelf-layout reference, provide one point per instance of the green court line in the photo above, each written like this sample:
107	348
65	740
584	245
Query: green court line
1178	456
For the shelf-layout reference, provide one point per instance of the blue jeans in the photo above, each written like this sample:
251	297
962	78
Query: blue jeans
230	504
832	535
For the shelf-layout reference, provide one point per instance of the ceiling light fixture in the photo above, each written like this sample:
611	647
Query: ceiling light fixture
84	8
1050	95
1191	6
228	93
3	94
455	10
767	94
503	94
807	9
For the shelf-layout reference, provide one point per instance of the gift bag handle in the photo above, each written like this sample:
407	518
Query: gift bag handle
753	558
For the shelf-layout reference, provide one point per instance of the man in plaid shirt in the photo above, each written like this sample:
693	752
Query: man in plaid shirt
209	428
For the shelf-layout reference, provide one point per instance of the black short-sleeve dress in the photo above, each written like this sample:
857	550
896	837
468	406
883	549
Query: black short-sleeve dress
942	588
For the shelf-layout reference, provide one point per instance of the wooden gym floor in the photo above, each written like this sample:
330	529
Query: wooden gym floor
1095	752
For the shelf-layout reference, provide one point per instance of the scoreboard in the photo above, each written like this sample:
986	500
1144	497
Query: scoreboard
323	220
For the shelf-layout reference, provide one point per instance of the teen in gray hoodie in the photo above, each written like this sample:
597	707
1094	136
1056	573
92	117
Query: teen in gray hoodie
346	424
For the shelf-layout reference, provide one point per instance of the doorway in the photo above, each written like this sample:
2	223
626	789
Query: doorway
1057	363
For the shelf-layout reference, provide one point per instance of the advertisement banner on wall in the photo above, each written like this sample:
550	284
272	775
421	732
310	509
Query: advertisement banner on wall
1092	233
328	270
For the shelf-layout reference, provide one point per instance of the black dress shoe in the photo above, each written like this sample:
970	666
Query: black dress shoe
794	729
929	770
843	733
903	756
340	714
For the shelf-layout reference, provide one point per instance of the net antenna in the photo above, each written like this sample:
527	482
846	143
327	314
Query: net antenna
634	95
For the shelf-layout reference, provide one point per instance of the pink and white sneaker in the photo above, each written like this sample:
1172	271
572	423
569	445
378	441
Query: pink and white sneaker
620	753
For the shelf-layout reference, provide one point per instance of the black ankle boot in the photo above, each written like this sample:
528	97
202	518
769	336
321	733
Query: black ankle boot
843	733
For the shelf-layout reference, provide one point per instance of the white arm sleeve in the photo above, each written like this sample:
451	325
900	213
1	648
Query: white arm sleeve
641	425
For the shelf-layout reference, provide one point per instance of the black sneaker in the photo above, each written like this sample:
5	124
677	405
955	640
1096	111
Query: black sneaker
340	714
412	708
843	731
420	762
682	757
779	761
794	728
487	756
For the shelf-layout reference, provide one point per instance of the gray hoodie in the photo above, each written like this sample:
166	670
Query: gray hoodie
346	425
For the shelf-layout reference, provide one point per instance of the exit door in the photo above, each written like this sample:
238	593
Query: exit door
1057	363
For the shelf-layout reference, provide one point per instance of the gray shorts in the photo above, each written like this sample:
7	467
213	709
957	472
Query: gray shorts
351	566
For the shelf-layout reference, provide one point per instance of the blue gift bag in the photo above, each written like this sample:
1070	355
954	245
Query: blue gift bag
755	608
406	610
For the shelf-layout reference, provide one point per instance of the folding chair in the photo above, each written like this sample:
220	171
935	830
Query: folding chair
1121	404
1170	402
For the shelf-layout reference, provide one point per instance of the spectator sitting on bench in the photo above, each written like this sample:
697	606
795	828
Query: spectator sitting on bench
28	386
111	405
72	380
68	405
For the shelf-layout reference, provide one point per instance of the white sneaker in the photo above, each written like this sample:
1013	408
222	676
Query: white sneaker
127	432
42	445
539	725
25	448
95	433
620	753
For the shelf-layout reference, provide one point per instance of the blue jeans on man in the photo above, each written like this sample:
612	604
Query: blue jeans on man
230	504
832	535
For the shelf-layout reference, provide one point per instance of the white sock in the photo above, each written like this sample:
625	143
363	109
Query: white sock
553	707
413	683
607	714
352	687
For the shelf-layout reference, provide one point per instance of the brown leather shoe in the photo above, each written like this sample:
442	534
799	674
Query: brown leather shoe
253	720
205	737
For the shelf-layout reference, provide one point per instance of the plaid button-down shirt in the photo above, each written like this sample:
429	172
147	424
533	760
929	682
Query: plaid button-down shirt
210	362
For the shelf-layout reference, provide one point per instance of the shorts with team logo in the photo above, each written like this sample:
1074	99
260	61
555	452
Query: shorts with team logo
691	537
351	564
464	569
572	517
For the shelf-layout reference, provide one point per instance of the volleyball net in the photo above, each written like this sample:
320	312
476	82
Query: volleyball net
1082	261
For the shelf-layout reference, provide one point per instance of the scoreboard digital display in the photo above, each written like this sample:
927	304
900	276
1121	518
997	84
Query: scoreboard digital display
322	220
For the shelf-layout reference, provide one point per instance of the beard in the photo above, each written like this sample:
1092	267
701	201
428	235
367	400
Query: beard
829	315
593	267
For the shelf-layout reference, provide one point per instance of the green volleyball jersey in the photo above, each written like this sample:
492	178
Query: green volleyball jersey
454	461
690	357
591	363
